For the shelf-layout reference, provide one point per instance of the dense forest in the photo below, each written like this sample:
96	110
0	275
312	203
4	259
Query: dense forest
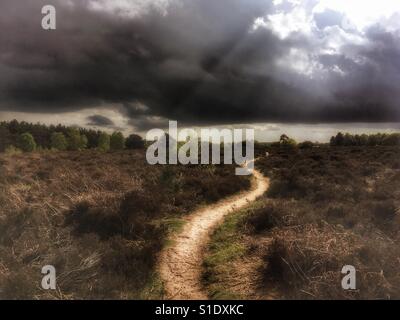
28	137
378	139
25	136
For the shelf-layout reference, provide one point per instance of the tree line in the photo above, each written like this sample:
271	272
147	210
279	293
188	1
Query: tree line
27	137
378	139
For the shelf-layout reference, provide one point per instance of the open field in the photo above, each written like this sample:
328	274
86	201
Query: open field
177	150
100	218
103	218
327	207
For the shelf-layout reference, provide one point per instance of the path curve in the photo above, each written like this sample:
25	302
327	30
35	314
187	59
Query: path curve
180	264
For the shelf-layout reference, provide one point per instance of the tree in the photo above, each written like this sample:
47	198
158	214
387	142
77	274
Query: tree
58	141
5	138
26	142
287	142
134	141
117	141
392	140
338	140
103	143
283	138
83	142
92	136
378	139
349	140
76	141
364	139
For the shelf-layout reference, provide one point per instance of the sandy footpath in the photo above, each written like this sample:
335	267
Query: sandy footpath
180	264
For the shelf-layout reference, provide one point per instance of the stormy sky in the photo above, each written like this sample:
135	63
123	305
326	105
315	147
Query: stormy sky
136	63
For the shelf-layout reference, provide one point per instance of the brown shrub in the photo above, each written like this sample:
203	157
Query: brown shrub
306	262
265	218
98	217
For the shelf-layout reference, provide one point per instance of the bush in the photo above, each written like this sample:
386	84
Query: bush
384	211
306	145
134	142
117	141
138	204
26	142
58	141
11	150
265	218
104	142
131	260
91	218
298	259
18	286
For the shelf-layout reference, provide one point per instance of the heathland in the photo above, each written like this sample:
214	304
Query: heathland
327	207
89	204
98	212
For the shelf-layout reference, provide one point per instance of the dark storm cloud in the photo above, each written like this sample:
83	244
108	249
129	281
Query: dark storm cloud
370	90
99	120
133	110
199	62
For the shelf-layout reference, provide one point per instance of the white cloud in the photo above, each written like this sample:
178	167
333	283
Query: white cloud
298	18
361	13
129	8
284	24
299	61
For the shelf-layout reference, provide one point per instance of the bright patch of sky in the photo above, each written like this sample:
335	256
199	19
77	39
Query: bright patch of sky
128	8
328	26
264	132
284	23
361	13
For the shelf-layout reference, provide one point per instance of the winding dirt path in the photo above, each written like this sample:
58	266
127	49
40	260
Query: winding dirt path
180	264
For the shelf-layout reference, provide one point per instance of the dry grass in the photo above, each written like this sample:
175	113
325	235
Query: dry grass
326	208
99	218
